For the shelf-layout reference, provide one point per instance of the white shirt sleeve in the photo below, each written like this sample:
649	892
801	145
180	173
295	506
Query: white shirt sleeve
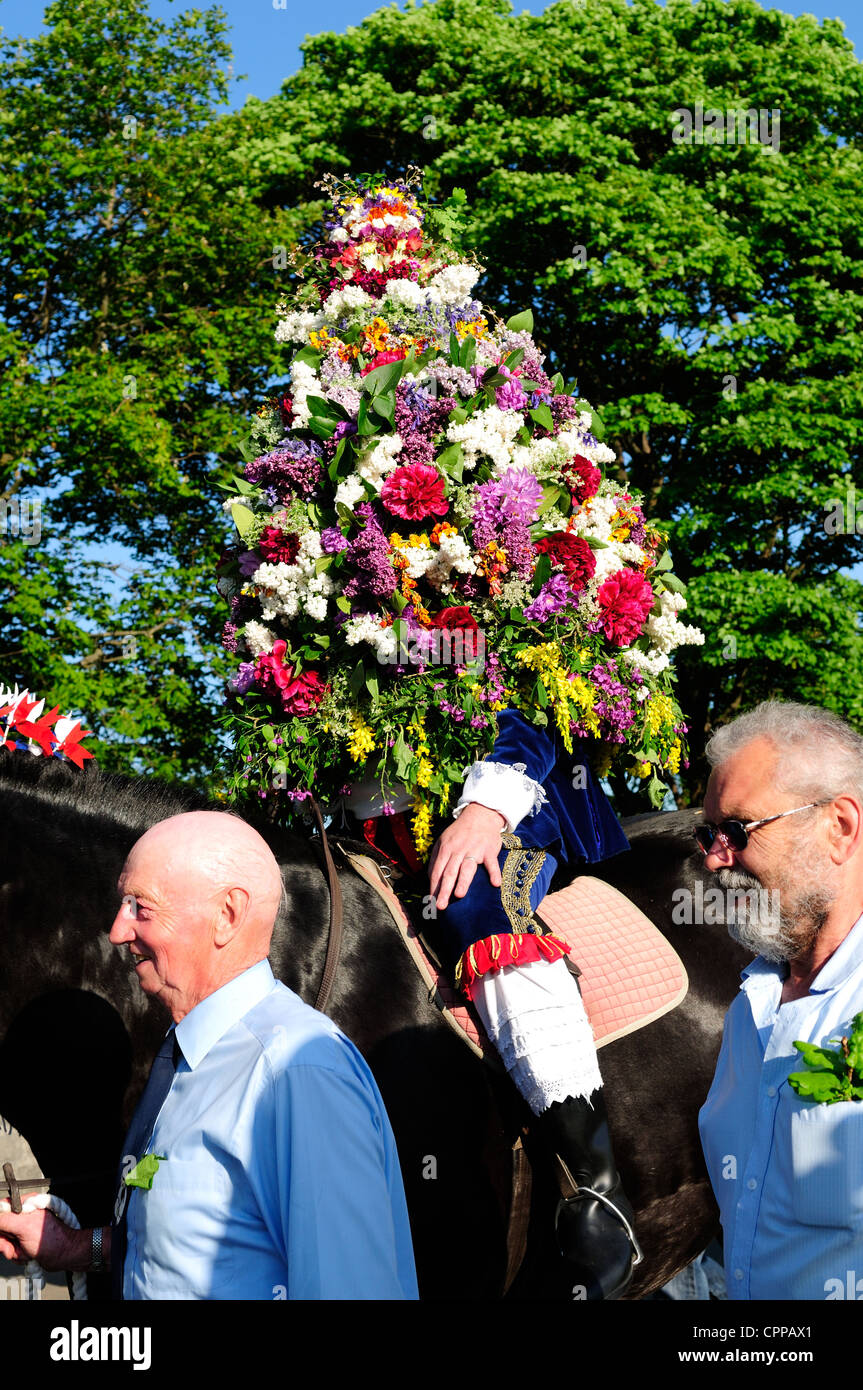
502	787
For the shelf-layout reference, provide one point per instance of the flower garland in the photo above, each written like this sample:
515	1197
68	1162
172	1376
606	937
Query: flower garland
425	536
24	726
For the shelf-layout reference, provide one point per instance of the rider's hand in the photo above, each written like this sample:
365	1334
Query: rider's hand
39	1235
471	840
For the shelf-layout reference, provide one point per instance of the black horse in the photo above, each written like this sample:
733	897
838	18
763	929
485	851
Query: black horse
78	1034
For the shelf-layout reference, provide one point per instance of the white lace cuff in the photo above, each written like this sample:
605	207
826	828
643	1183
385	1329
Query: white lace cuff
502	787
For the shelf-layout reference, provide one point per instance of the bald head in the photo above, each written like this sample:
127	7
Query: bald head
201	893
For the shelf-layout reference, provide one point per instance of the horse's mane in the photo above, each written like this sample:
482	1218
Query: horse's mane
133	803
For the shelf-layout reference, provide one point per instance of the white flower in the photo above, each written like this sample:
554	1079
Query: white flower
405	294
304	383
232	502
296	325
350	297
338	234
283	590
258	638
453	554
350	491
453	284
490	432
381	460
368	629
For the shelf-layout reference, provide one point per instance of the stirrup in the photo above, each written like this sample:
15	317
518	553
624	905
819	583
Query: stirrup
581	1193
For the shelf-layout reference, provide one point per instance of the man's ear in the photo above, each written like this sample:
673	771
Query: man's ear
232	915
846	828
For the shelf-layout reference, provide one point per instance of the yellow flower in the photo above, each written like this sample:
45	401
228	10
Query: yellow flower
471	328
362	740
659	711
376	334
320	338
422	828
424	772
673	763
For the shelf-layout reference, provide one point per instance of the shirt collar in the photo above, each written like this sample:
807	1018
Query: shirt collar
844	960
204	1025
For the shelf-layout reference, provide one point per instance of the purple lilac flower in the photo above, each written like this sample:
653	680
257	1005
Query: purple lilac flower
249	562
511	395
419	417
369	554
344	427
332	541
244	679
290	469
553	598
229	637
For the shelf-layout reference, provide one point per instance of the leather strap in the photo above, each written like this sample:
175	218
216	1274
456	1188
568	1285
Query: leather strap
519	1213
334	940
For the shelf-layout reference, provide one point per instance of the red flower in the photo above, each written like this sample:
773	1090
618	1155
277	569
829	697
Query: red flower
300	695
582	477
380	359
456	620
574	556
414	491
279	547
625	601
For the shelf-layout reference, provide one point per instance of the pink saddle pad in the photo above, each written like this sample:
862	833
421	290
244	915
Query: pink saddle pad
630	974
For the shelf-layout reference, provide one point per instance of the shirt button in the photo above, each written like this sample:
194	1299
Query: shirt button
752	1184
771	1090
738	1273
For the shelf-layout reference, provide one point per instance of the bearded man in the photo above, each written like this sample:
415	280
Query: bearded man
783	816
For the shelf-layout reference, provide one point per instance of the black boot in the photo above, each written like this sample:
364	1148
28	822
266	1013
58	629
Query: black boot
594	1219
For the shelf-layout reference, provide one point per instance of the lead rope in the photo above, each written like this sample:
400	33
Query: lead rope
334	940
33	1271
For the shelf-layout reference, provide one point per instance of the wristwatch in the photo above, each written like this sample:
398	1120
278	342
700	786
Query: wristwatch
97	1262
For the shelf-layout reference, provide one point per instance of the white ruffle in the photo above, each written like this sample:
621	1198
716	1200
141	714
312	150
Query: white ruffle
503	787
535	1017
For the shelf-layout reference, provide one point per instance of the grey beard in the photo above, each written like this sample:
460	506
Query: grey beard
783	935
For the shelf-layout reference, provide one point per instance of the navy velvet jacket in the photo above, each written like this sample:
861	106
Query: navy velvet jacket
577	824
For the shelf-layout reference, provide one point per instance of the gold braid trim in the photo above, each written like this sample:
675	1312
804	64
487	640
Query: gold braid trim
521	869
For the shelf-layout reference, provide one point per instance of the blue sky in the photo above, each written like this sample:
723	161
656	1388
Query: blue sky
266	40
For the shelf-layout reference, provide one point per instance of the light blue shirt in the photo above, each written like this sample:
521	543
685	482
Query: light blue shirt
280	1177
787	1172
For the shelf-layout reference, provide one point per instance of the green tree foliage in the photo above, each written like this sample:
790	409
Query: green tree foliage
706	295
136	315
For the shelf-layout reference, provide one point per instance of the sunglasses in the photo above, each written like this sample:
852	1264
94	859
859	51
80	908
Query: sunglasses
733	834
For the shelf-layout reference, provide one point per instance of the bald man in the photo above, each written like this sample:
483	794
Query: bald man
274	1168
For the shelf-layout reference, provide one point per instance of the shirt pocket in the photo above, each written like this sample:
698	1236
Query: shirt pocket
827	1163
189	1218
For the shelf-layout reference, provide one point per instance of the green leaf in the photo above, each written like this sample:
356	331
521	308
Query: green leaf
820	1086
468	352
454	349
822	1057
309	356
543	416
855	1044
521	323
144	1171
244	520
372	685
357	679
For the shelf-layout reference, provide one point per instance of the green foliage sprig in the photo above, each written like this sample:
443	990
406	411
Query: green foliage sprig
836	1073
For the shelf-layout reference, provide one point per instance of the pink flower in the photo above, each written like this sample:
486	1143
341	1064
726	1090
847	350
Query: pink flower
625	600
414	491
299	695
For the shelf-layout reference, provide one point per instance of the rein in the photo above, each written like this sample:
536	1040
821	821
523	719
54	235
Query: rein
334	937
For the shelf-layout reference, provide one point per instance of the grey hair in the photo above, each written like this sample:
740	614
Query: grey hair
819	756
